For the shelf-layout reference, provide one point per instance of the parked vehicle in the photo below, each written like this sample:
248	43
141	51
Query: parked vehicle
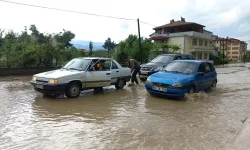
80	74
159	63
182	76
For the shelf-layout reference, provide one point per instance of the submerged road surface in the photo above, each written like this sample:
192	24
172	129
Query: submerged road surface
123	119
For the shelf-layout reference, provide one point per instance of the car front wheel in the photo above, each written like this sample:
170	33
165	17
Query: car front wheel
73	90
191	90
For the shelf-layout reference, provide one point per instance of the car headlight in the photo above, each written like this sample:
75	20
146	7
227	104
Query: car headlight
53	81
177	84
158	69
33	78
148	81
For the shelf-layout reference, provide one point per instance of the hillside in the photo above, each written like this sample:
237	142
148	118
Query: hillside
81	44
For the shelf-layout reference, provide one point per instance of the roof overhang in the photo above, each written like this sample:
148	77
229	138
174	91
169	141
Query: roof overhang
158	38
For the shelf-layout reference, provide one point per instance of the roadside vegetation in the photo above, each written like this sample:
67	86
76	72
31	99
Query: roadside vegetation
31	48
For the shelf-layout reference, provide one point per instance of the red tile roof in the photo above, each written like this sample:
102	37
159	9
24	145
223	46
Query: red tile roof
178	23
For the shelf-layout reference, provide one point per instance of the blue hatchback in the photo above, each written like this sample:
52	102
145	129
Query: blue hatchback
182	76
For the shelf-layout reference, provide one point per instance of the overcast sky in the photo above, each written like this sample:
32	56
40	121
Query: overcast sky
222	17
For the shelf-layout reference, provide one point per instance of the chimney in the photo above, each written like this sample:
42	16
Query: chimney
171	21
183	19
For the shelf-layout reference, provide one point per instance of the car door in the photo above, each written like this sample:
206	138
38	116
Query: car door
99	78
200	82
209	75
115	72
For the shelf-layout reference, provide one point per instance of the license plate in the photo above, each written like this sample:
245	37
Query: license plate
160	89
39	86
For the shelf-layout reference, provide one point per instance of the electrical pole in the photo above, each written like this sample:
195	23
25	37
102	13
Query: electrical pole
139	34
223	52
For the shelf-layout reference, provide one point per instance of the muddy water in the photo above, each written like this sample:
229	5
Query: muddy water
124	119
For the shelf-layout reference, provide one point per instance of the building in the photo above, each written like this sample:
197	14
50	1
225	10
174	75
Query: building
234	49
190	36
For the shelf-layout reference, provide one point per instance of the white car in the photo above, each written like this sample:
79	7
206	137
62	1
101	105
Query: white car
80	74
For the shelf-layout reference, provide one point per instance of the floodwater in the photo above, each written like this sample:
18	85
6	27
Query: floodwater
123	119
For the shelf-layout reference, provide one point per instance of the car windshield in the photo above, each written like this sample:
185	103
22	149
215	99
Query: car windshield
77	64
181	67
163	59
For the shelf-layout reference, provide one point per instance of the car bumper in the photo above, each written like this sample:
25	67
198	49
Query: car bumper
50	89
171	91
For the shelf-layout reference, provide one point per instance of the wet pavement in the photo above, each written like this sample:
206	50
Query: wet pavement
124	119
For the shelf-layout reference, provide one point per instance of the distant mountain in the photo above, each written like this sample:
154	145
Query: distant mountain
81	44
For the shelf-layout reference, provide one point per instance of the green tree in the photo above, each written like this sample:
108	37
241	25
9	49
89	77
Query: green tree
90	48
109	45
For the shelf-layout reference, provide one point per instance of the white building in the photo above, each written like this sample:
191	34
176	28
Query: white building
190	36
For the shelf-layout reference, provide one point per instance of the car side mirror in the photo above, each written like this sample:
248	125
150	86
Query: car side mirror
200	74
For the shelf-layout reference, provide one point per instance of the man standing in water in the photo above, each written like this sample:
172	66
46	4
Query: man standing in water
135	68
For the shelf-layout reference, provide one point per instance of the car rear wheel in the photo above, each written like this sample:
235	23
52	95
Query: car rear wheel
120	84
73	90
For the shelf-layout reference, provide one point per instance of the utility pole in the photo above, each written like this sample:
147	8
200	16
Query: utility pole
223	51
139	34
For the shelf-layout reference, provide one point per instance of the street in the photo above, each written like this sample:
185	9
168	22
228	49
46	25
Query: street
124	119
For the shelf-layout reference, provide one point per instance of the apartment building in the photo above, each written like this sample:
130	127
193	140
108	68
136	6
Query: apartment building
234	49
190	36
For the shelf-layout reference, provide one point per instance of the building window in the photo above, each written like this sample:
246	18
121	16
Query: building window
194	41
235	52
235	57
235	48
200	42
199	55
205	42
235	43
205	56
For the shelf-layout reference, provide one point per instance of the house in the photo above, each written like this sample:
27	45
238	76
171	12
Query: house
234	49
190	36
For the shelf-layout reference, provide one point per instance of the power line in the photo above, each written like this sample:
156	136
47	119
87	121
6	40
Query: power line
71	11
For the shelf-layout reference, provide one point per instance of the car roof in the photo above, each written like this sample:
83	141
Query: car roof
195	61
176	54
104	58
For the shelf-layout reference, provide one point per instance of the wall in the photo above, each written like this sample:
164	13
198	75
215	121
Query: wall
23	71
178	41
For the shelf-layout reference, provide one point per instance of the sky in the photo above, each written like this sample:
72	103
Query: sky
223	17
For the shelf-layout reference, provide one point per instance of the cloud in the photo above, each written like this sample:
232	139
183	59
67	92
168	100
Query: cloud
223	17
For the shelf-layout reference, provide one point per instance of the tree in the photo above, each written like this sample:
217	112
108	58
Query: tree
174	48
109	45
90	48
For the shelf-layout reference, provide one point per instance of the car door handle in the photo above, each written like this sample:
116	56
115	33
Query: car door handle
117	71
107	73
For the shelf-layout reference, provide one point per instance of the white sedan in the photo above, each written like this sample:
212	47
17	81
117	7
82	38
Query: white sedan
80	74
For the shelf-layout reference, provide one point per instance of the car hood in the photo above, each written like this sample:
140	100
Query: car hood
168	78
57	73
154	65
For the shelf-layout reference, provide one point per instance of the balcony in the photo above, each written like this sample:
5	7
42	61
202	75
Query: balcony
183	34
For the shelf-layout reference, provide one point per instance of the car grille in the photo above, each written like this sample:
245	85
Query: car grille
161	84
146	68
42	81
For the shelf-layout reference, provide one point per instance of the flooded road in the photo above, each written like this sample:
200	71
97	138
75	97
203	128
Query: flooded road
123	119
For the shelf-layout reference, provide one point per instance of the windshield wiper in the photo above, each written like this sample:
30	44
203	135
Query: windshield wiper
174	71
74	69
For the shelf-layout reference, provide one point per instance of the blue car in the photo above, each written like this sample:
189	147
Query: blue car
181	77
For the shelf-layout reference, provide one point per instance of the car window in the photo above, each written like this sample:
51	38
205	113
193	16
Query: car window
211	66
177	57
191	57
201	68
114	66
184	57
207	68
107	65
77	64
181	67
163	59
